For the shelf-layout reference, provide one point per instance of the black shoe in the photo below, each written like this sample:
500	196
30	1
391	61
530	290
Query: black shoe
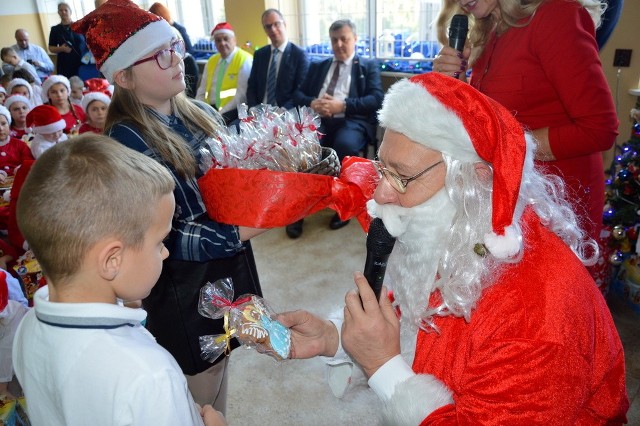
295	229
336	223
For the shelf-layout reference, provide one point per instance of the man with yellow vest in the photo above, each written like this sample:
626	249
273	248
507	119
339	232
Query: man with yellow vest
226	74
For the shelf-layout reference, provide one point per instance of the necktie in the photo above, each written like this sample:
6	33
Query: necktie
272	77
334	79
222	66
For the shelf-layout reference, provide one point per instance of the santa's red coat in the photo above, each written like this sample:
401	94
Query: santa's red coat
541	347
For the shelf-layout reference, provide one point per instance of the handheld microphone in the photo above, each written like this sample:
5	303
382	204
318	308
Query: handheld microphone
458	32
379	246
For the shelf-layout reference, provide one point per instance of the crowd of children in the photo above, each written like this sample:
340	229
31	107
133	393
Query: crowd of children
35	115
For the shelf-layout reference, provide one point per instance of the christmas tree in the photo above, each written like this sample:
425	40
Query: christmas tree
621	215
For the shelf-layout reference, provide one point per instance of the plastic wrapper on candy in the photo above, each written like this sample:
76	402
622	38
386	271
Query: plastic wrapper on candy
269	138
268	199
249	319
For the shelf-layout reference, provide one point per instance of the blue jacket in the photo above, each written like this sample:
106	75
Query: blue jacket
365	92
293	68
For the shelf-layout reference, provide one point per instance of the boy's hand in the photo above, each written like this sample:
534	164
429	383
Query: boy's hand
211	417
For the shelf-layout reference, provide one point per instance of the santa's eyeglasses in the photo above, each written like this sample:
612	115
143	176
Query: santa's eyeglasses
396	181
164	57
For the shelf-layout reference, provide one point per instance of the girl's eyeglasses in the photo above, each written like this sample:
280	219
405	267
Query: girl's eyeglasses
164	57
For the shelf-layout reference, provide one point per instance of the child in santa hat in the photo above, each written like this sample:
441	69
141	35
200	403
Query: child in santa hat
56	91
150	113
13	307
47	126
12	151
19	107
95	103
20	86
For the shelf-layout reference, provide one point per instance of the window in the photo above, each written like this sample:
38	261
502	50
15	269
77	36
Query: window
399	32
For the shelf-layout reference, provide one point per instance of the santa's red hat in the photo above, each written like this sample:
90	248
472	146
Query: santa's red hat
119	33
45	119
96	89
222	28
17	98
50	81
452	117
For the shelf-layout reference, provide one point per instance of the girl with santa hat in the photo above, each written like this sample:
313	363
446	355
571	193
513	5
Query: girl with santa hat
95	103
150	113
56	91
19	107
12	151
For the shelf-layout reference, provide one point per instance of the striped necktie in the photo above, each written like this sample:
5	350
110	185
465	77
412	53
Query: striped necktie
272	77
334	79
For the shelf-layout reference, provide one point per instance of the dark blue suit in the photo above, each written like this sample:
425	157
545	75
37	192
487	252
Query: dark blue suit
348	135
293	67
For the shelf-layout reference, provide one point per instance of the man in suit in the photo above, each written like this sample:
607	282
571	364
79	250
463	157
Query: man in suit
346	91
225	76
281	60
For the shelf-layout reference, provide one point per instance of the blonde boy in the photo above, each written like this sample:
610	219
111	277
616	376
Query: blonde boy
95	214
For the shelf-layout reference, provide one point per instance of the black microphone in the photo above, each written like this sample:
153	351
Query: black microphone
379	246
458	32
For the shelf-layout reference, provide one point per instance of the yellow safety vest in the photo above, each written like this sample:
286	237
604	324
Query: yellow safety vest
229	84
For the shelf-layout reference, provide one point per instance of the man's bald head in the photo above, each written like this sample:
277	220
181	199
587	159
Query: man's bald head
22	38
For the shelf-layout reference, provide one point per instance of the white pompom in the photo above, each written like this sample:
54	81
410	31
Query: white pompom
504	246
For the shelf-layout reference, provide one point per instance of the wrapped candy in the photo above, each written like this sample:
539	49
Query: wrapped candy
249	319
274	172
270	138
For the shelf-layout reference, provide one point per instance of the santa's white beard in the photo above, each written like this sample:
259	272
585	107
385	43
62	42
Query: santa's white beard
421	233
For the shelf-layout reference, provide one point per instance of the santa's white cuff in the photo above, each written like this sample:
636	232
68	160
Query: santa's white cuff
340	355
384	381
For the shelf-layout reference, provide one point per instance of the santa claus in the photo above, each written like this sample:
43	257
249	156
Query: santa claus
500	321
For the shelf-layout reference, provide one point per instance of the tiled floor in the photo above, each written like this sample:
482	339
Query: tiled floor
313	273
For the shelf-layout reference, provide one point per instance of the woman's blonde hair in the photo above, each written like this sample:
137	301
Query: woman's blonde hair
126	107
511	13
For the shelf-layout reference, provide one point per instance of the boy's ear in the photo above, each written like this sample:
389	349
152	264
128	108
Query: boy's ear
110	259
120	78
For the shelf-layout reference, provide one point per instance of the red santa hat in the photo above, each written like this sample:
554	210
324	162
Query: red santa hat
19	82
119	33
222	28
96	89
50	81
45	119
5	111
4	291
17	98
452	117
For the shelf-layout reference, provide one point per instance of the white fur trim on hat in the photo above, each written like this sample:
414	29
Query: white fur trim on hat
94	96
3	90
17	98
19	82
136	47
50	128
50	81
4	111
404	110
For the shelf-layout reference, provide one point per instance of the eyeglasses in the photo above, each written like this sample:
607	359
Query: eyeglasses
275	25
399	183
164	57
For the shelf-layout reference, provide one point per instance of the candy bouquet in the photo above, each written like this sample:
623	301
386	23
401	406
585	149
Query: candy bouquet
248	319
274	172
